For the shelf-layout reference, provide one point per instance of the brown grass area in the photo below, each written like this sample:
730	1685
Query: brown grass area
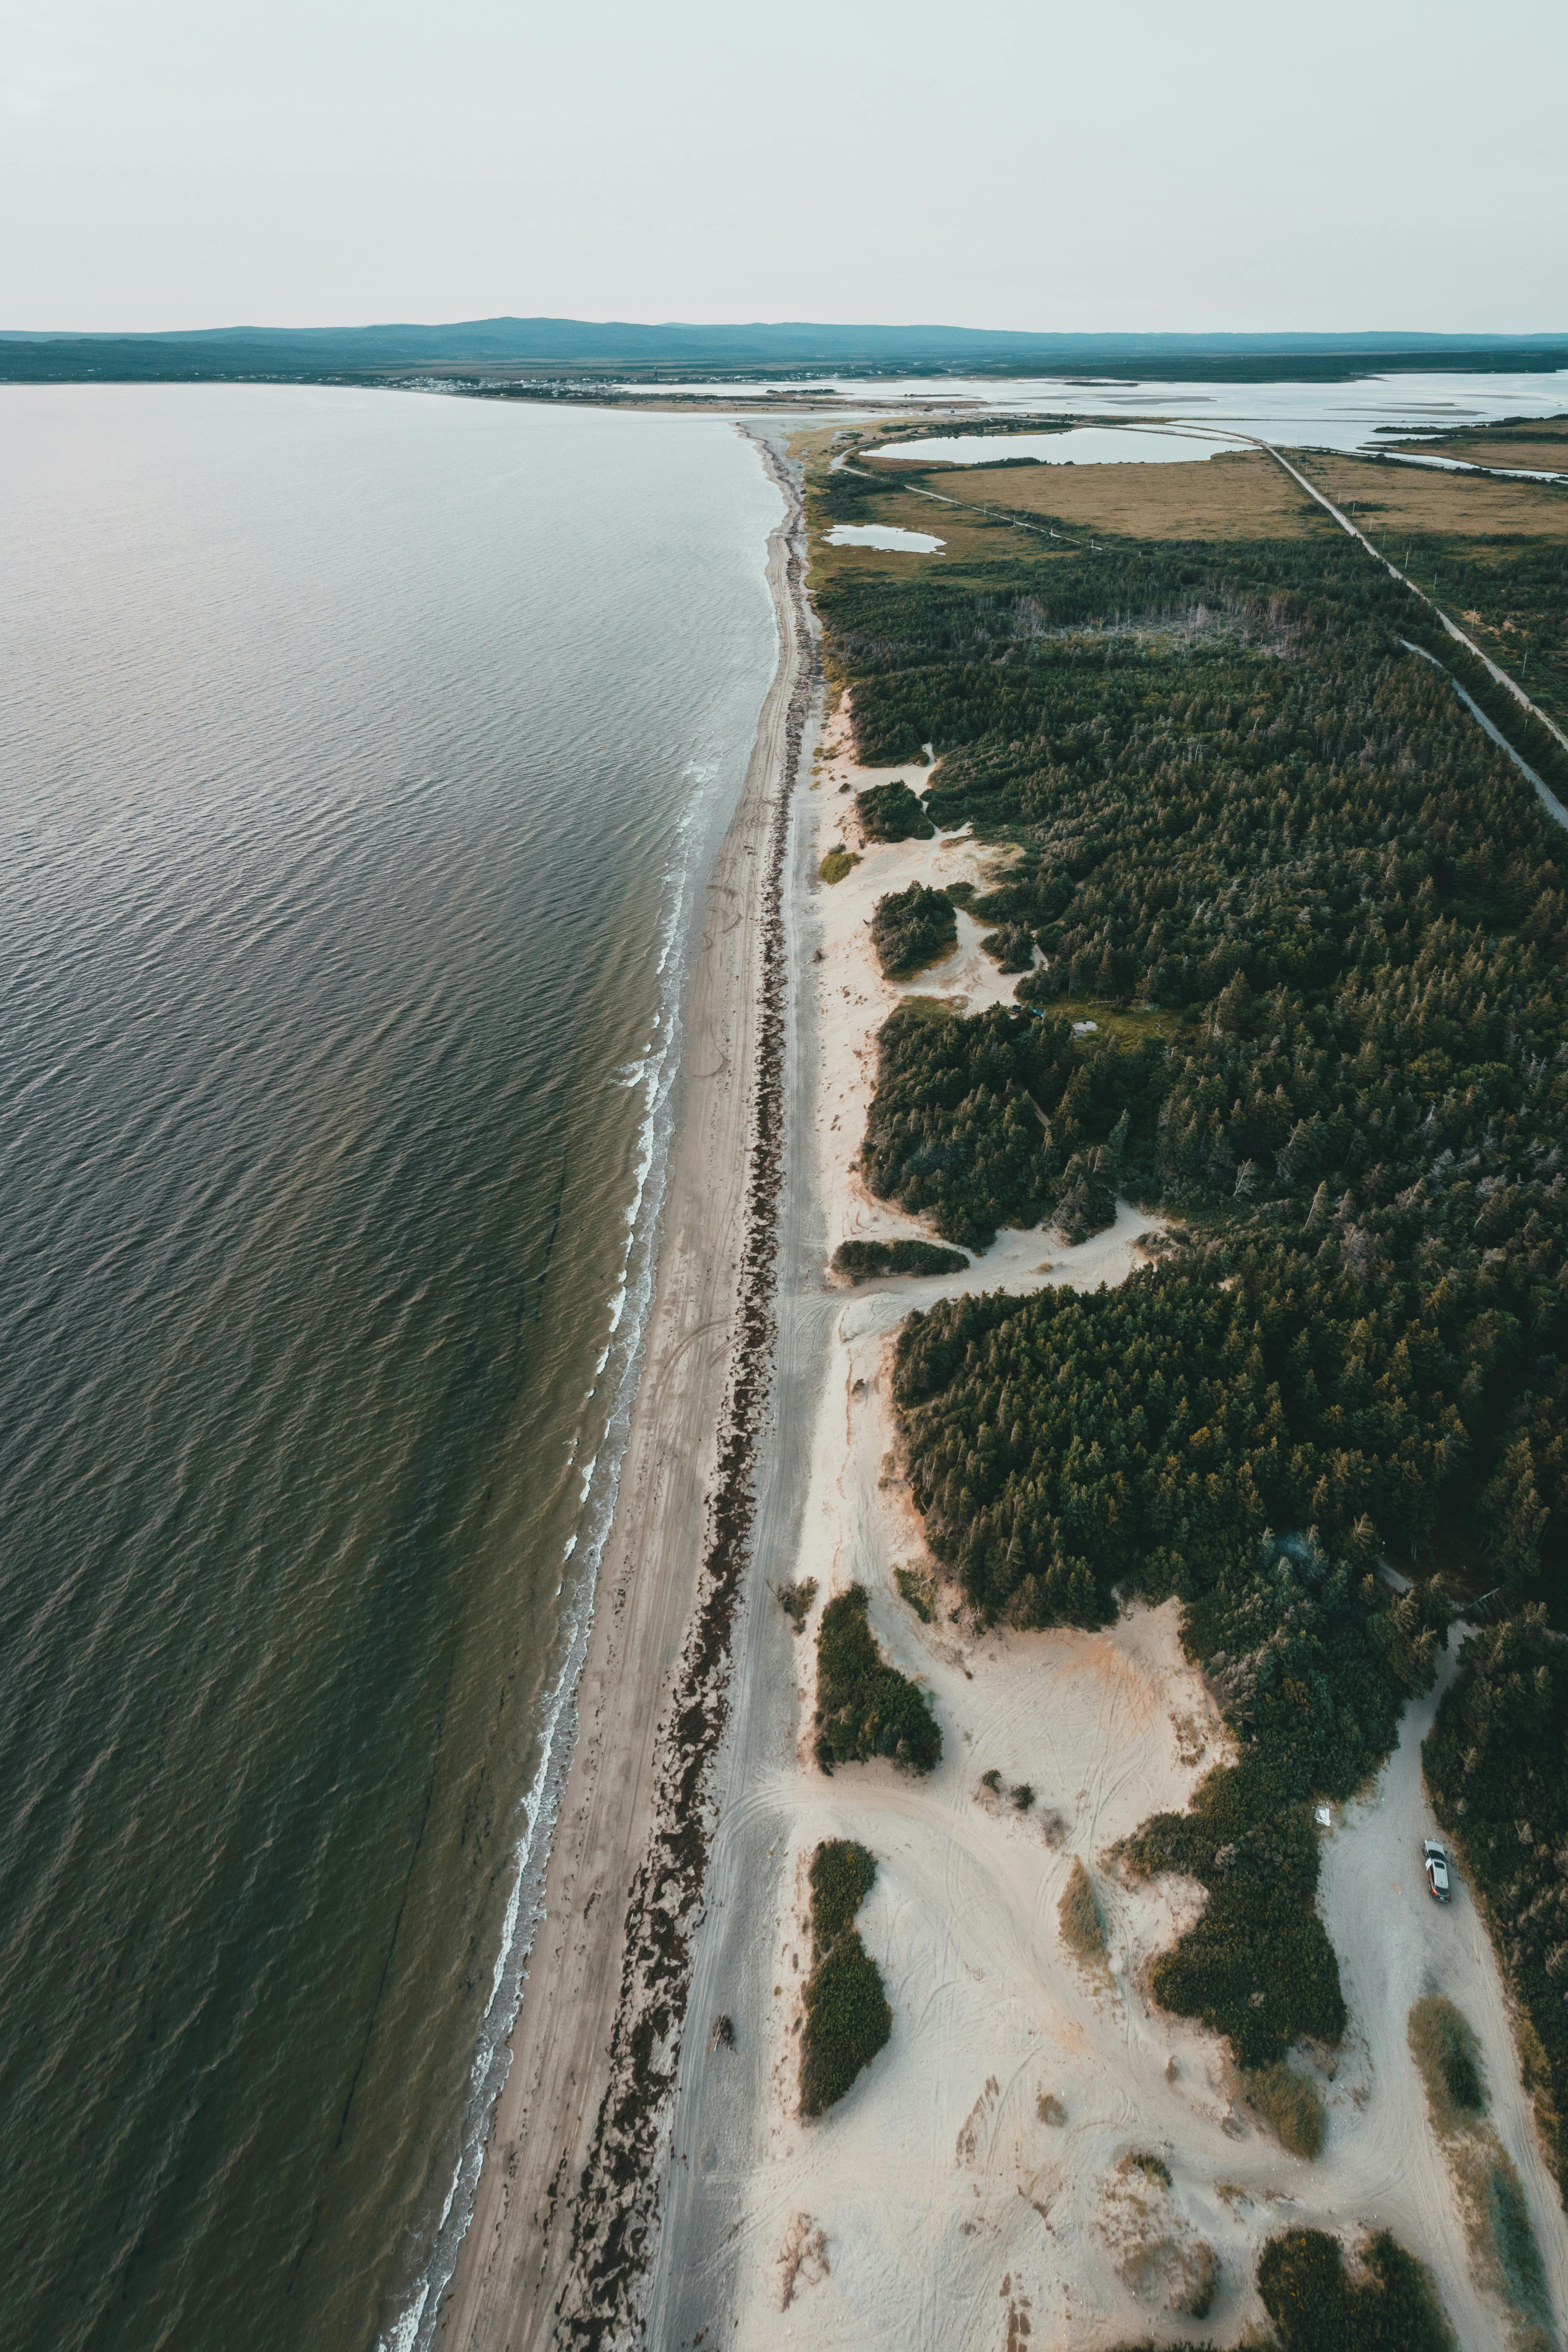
1081	1925
1391	498
1288	2105
1239	495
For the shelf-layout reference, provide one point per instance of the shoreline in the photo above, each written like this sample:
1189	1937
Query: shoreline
564	2212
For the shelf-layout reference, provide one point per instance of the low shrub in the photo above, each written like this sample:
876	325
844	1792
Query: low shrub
847	2019
865	1707
1288	2105
912	928
1049	2109
842	1875
892	812
1082	1928
795	1601
1319	2305
864	1261
838	863
1448	2063
1023	1797
1152	2167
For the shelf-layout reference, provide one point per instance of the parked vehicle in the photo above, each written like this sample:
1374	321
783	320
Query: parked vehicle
1438	1876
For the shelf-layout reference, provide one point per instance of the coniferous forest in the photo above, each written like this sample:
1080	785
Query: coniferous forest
1320	922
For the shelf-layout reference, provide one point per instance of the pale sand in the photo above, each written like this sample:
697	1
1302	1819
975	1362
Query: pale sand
934	2208
554	2252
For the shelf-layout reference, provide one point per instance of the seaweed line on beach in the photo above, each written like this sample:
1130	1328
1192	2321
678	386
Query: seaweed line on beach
616	2207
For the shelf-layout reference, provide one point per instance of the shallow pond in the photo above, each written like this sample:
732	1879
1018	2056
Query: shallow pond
1087	444
883	535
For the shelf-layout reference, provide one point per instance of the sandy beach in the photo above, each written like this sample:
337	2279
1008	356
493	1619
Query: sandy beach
557	2245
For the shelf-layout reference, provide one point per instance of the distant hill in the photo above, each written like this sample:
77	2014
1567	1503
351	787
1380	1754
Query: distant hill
495	349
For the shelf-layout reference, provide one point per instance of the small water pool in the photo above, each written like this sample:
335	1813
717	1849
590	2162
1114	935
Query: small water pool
1085	444
884	535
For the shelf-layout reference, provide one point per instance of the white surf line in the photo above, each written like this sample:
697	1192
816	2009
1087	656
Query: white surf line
1549	799
1393	571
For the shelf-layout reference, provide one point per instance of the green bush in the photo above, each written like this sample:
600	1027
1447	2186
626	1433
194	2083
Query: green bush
847	2021
865	1707
865	1261
842	1875
892	812
838	863
912	928
1317	2305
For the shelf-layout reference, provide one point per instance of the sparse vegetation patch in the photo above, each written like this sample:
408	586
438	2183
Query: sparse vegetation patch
1083	1929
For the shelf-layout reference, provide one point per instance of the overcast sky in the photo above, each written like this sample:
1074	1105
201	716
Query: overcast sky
1352	164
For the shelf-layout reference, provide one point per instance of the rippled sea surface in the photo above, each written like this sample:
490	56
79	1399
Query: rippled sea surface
360	758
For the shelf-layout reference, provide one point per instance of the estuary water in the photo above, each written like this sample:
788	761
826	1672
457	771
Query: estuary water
361	759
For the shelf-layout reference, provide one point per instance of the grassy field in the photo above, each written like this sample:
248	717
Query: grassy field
1235	496
1389	500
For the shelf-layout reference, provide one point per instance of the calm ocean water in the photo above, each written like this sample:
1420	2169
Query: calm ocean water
360	757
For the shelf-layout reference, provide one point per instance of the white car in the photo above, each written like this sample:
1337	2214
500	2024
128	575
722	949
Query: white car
1437	1878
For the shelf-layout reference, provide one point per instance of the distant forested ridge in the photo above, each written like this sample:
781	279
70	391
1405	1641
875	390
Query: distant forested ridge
564	347
1321	923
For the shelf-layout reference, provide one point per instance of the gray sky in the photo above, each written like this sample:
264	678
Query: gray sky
1351	163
